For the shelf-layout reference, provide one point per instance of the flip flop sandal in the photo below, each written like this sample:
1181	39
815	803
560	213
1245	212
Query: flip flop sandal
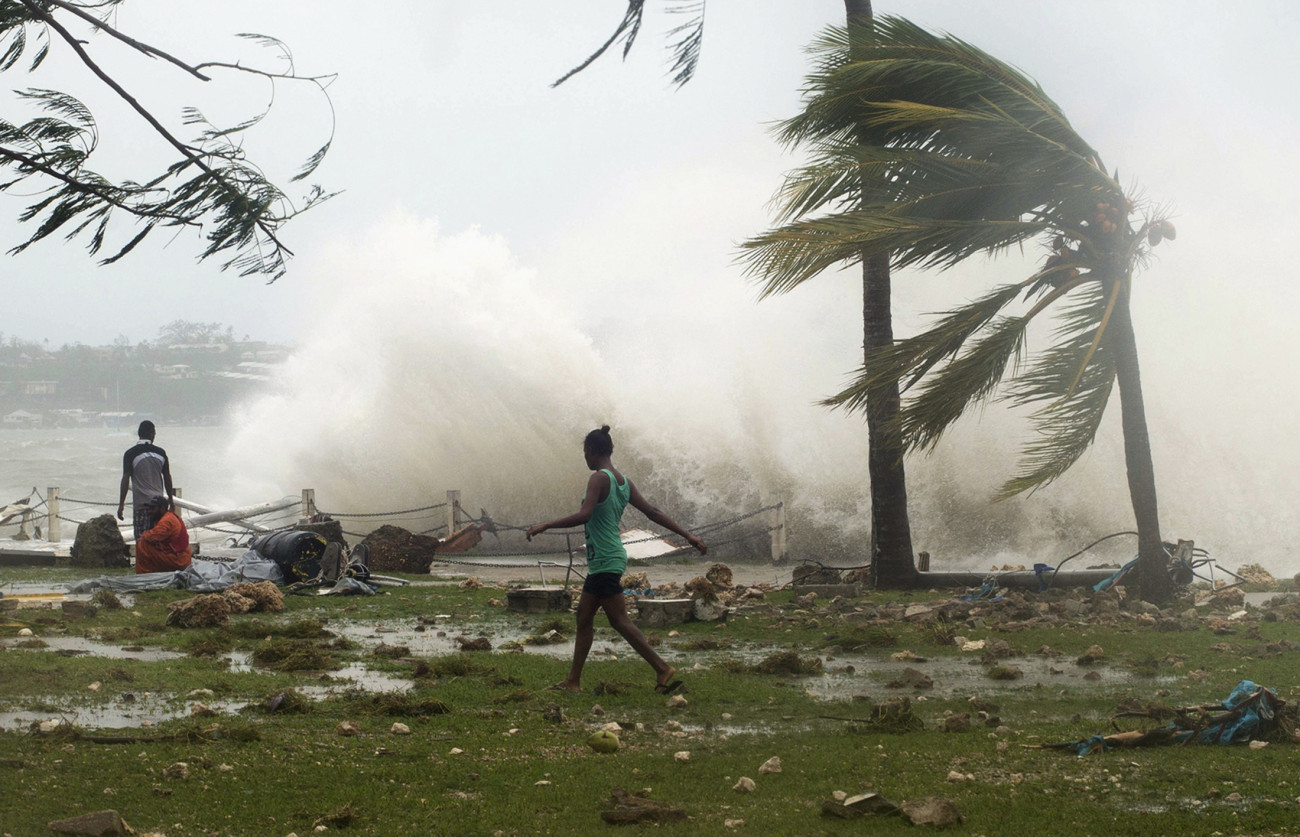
668	688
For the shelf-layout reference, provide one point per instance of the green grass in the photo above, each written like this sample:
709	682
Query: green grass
523	766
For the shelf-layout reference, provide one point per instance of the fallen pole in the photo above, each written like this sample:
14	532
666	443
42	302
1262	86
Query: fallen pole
1016	579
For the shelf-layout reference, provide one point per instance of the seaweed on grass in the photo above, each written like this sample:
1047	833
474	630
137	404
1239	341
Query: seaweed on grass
293	655
786	663
872	637
893	716
393	704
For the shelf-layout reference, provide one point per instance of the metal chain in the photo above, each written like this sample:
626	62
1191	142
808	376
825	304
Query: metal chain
384	514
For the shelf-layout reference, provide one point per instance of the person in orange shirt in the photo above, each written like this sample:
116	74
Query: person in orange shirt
165	547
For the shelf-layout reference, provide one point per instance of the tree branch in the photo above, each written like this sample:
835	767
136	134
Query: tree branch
151	51
144	113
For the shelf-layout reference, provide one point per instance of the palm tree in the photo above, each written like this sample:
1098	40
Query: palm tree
956	154
892	563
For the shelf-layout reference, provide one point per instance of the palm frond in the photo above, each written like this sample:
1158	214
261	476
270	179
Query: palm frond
686	40
908	360
1073	380
627	31
957	151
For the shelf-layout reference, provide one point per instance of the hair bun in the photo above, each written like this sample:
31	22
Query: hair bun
604	428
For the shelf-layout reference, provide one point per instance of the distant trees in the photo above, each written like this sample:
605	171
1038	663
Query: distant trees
210	185
185	332
961	154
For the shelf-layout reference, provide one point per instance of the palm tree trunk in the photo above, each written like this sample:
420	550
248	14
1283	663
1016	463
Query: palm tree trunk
892	564
1152	569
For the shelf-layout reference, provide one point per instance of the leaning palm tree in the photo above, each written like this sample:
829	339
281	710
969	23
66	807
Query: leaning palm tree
961	154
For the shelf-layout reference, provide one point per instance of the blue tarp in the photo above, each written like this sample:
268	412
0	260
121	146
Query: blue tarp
1249	712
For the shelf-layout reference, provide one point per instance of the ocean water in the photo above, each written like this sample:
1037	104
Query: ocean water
85	464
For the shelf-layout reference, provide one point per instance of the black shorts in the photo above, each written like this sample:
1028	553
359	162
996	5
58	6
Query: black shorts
603	585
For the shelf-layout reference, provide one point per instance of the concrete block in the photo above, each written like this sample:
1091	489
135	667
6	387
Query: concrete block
657	613
538	599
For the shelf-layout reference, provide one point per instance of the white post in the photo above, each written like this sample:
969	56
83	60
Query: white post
53	533
308	504
778	535
453	512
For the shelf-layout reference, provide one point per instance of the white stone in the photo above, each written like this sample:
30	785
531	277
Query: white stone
772	765
745	785
682	756
399	728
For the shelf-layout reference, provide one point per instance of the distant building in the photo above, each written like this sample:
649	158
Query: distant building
21	418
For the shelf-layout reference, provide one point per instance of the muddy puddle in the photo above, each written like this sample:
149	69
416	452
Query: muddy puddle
963	678
78	645
123	711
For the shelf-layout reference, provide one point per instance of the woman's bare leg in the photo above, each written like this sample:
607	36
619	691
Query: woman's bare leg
588	604
615	608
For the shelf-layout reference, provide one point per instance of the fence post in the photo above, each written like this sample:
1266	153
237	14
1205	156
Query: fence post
778	535
308	504
453	512
53	533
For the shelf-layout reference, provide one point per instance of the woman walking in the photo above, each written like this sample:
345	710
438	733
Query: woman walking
608	494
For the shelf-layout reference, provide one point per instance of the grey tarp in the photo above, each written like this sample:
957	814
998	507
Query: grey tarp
200	576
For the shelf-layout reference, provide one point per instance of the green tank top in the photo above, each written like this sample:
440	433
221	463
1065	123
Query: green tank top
605	550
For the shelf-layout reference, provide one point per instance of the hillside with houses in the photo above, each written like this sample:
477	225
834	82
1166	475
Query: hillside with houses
191	374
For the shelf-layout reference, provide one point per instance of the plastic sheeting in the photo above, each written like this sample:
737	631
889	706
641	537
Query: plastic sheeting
200	577
1249	712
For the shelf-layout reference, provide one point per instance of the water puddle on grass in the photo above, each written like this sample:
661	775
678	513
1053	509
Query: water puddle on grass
73	646
962	678
439	640
127	710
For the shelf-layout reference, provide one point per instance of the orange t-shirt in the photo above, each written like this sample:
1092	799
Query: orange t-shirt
164	548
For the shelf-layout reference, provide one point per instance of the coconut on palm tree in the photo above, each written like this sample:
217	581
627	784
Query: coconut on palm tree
960	154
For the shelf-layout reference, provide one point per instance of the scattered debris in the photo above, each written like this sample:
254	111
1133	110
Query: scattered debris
911	678
1092	656
959	722
1255	574
932	810
1250	713
623	808
859	806
720	576
96	824
210	610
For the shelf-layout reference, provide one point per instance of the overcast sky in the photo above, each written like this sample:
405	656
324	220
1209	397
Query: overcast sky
615	204
444	111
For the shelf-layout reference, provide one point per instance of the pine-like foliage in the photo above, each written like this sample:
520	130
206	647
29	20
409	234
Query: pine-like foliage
211	185
924	147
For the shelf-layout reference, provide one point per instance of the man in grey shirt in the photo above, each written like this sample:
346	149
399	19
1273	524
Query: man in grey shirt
147	472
